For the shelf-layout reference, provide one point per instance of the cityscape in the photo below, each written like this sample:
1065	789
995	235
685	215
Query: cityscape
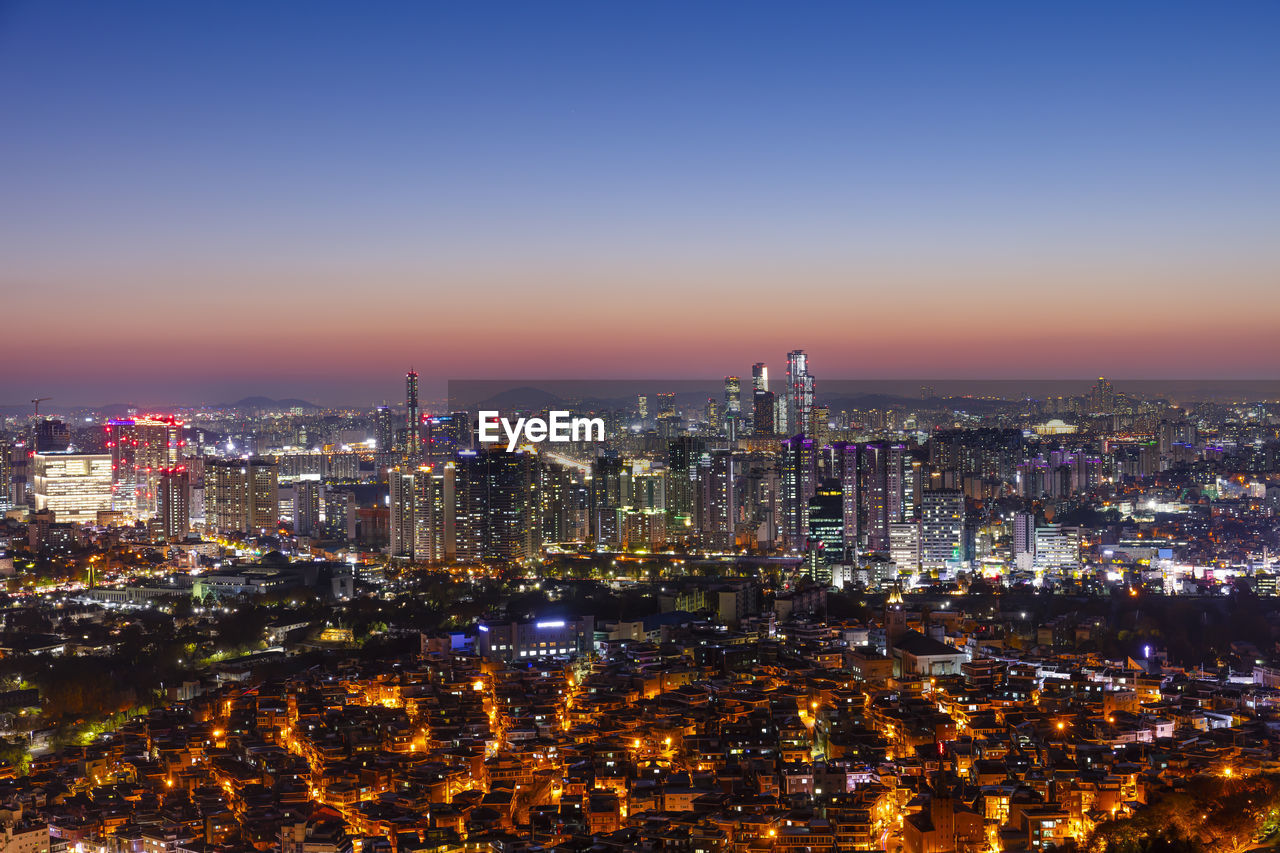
593	427
747	621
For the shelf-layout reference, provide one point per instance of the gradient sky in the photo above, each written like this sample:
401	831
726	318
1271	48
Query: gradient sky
204	200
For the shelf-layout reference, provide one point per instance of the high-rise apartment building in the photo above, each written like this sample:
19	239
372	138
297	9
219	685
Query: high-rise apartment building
241	495
799	480
420	513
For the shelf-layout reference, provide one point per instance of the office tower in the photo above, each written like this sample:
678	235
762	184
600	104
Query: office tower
873	462
241	495
340	514
904	545
417	509
941	528
74	486
819	428
799	402
496	506
52	436
413	417
763	415
759	377
826	527
1056	548
682	459
384	429
308	505
712	416
445	435
732	406
174	503
1024	539
642	406
928	392
841	465
717	500
666	403
141	448
799	479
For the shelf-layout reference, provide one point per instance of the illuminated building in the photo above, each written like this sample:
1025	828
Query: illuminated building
536	638
841	465
717	501
610	490
1024	539
307	507
384	428
904	544
764	416
495	506
141	448
412	440
759	376
873	463
1056	547
340	514
682	456
74	486
174	503
899	484
826	529
241	495
6	475
941	528
799	403
419	509
732	406
799	480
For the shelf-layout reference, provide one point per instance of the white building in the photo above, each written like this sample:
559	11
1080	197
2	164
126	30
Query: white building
74	485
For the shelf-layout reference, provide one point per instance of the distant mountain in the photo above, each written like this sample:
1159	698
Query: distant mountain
268	403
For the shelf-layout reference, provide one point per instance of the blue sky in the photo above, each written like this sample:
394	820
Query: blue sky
468	186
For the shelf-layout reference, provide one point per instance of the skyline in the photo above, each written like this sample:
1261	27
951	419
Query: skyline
576	190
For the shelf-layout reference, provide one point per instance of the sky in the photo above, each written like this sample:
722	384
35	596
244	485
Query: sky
205	200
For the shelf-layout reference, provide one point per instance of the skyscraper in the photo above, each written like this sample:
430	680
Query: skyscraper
799	402
384	429
826	528
799	480
174	503
496	505
763	413
308	502
841	465
717	500
141	448
759	376
412	441
417	513
732	406
873	494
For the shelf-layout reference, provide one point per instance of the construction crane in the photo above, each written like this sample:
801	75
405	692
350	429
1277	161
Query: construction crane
37	401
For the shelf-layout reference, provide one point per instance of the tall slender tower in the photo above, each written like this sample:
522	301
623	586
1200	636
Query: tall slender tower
412	439
799	403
